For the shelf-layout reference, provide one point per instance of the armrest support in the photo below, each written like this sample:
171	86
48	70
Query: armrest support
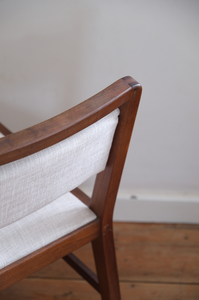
4	130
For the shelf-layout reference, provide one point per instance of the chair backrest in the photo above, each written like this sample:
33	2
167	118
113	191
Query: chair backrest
45	161
31	182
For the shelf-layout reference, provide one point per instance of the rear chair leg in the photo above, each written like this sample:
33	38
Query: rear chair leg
105	260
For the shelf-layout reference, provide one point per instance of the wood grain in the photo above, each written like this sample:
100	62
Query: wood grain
51	289
54	130
48	254
145	252
151	258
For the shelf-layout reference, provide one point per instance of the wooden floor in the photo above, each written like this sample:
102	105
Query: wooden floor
155	261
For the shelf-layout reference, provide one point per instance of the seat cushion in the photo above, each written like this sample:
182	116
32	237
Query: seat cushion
42	227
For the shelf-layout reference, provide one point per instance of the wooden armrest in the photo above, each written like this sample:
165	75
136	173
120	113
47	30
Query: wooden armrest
54	130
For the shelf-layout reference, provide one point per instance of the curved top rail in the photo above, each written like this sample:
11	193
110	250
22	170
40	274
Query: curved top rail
54	130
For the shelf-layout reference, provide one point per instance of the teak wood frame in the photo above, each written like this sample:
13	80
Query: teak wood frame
123	94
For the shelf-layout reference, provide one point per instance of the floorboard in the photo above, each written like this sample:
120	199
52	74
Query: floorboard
51	289
155	261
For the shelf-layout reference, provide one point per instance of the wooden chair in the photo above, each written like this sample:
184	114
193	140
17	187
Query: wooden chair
22	182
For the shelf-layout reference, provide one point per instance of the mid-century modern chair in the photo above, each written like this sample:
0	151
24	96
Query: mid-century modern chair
43	215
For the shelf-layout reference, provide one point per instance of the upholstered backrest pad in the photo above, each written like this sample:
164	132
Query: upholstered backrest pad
32	182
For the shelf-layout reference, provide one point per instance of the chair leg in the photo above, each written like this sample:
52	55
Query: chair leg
105	260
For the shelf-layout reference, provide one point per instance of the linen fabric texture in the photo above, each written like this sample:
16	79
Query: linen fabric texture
35	206
42	227
30	183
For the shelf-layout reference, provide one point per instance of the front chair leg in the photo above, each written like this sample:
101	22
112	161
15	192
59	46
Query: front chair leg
105	260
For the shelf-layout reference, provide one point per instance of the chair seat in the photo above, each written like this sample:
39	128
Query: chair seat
42	227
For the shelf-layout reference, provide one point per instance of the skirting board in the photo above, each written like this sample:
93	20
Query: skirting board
156	209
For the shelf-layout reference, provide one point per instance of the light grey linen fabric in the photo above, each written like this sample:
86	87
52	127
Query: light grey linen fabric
42	227
30	183
1	135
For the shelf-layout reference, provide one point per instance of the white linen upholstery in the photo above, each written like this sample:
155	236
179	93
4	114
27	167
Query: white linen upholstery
1	135
38	229
32	182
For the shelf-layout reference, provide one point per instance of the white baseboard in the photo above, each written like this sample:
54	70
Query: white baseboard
156	208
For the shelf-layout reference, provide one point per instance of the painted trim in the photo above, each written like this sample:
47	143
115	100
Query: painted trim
157	209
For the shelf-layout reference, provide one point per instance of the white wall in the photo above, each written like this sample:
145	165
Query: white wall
54	54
